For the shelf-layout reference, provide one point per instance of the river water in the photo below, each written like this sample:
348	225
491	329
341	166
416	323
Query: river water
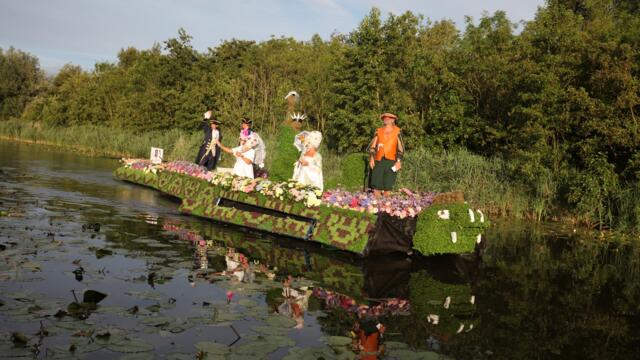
180	287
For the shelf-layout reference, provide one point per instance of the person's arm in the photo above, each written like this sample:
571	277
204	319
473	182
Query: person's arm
248	158
224	148
399	152
372	148
245	159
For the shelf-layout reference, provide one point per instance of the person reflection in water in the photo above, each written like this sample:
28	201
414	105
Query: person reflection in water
367	338
295	302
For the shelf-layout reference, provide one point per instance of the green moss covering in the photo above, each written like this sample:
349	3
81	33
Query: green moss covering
285	155
353	168
340	228
433	234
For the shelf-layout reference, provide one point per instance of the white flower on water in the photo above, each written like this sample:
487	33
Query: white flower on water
447	302
443	214
478	238
460	329
472	216
454	237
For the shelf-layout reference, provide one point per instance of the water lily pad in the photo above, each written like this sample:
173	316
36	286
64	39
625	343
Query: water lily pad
127	345
31	266
309	353
281	321
337	340
395	345
157	321
259	349
413	355
279	340
138	356
213	348
271	330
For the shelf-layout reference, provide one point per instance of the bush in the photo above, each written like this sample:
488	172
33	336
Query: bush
353	168
284	155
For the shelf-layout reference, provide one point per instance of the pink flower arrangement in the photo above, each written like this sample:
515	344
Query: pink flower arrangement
403	203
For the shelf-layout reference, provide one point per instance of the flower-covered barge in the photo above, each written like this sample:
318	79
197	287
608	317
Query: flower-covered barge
347	221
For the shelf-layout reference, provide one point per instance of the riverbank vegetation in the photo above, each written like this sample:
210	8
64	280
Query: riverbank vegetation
534	120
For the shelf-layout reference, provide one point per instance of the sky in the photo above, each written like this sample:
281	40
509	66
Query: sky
83	32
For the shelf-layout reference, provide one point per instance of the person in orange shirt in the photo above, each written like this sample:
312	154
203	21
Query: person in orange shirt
386	152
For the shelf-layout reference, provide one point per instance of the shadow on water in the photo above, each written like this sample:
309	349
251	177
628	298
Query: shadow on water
178	285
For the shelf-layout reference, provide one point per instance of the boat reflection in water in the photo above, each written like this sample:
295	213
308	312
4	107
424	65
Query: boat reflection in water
416	298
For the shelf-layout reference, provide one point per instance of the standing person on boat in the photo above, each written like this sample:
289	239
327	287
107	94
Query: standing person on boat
245	152
386	151
252	140
209	153
308	169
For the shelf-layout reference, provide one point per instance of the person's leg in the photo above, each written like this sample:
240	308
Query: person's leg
209	162
389	177
377	175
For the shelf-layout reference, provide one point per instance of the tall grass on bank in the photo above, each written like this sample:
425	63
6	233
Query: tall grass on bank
97	140
481	180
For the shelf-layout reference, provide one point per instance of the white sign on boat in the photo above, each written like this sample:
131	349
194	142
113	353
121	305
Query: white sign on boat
156	155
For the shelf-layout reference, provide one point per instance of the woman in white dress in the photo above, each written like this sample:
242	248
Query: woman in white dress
244	160
308	168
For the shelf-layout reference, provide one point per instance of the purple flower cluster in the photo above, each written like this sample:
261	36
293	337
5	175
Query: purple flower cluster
188	168
402	204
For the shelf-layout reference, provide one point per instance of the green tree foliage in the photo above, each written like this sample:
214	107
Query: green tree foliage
20	77
556	98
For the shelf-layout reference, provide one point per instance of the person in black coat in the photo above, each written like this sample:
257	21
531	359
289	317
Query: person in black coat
209	153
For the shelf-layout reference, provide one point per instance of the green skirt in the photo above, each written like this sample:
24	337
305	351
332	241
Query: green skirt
382	177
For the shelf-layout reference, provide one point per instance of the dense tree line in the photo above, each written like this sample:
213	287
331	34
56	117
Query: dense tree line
557	97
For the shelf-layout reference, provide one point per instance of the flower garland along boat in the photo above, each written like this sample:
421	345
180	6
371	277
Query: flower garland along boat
354	222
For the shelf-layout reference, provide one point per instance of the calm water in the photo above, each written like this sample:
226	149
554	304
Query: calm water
178	285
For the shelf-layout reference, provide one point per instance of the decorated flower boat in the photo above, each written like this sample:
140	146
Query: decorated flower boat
426	223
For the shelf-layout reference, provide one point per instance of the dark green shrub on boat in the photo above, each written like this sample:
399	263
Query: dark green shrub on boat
284	155
353	168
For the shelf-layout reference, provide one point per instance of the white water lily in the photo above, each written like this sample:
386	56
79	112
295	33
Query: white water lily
454	237
447	302
478	238
443	214
472	216
433	319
